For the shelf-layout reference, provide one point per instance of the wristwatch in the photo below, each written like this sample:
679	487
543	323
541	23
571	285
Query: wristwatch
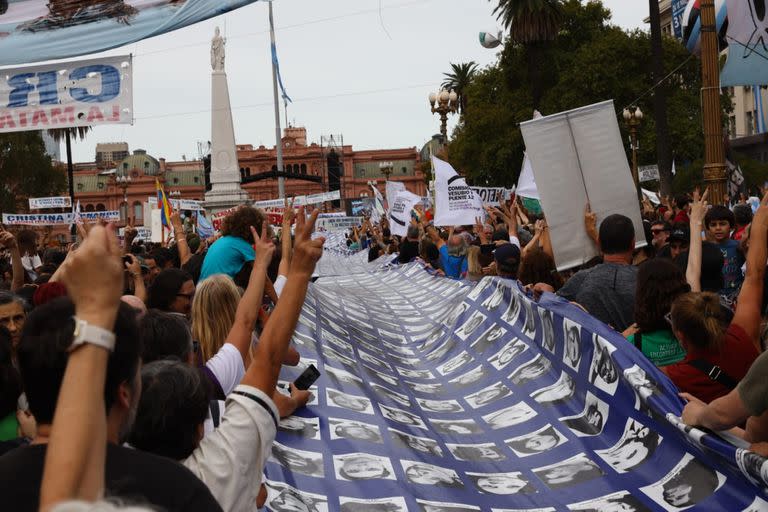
86	333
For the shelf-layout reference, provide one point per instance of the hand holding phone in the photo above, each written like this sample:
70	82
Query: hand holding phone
307	378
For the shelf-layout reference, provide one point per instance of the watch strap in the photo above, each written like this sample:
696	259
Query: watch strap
91	334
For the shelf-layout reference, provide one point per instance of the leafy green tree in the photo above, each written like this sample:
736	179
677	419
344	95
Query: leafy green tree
533	24
458	80
590	61
26	171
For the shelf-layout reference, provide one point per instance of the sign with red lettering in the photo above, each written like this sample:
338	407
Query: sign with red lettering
66	95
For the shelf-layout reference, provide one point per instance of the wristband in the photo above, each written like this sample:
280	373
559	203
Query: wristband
87	333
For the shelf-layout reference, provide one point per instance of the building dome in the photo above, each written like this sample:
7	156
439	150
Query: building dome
140	161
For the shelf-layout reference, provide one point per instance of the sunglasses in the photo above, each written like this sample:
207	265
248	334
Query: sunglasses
657	231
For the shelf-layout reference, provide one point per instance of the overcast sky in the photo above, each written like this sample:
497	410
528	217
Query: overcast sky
349	70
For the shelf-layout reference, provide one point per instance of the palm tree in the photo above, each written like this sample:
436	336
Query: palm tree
459	79
532	24
66	134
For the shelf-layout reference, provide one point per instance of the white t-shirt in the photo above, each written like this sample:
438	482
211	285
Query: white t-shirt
230	460
227	366
279	284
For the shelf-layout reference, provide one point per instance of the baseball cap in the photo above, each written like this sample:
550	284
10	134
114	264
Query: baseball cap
680	233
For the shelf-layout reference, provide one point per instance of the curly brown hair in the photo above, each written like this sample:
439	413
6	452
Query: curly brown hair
659	283
239	222
539	267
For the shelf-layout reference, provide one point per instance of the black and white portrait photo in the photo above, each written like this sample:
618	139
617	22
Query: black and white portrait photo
308	428
469	378
495	299
415	443
547	330
513	415
460	427
386	394
556	393
330	353
510	351
454	364
512	312
502	484
428	474
394	504
488	395
571	344
637	445
365	356
689	483
603	372
282	497
354	403
576	470
529	327
540	441
454	315
432	340
304	341
477	452
414	374
298	461
381	375
353	430
401	416
440	405
531	370
439	506
753	465
362	466
426	388
439	352
641	382
471	325
492	337
478	289
758	505
621	501
591	421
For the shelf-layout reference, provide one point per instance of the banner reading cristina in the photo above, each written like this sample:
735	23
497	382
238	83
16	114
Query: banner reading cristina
65	95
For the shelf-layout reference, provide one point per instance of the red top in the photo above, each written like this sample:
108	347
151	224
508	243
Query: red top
682	216
736	357
739	233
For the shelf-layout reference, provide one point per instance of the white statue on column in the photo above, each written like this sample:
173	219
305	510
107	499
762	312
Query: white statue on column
218	51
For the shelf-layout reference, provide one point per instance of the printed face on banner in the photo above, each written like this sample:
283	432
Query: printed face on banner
394	504
308	428
284	497
636	446
689	483
539	441
421	473
415	443
362	466
576	470
299	461
501	483
354	430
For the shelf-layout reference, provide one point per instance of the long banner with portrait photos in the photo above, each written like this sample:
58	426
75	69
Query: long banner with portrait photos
437	395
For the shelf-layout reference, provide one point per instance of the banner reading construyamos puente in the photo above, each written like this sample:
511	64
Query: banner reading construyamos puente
442	396
82	93
38	30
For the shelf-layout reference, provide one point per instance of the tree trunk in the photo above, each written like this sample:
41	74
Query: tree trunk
663	151
535	54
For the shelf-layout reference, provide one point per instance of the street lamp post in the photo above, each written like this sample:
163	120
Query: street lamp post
444	102
386	169
633	117
123	182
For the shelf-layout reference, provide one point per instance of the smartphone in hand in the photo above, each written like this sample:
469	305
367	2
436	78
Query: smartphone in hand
307	378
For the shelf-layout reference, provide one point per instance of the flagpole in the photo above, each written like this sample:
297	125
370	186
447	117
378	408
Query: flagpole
278	130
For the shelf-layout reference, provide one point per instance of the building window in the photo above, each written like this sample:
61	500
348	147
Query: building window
732	127
89	208
125	166
197	179
101	208
138	211
303	168
124	211
274	168
247	171
80	186
405	170
100	185
175	181
750	120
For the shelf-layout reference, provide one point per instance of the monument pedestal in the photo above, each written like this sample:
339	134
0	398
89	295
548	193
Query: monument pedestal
225	171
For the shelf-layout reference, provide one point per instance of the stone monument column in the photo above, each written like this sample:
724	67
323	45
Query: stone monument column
225	171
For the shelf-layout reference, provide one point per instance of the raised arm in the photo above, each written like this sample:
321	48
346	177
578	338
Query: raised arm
274	342
590	225
435	236
250	304
181	238
134	268
749	303
8	241
74	461
698	211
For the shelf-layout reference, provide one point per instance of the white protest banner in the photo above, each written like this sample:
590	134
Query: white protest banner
142	234
456	204
43	219
42	203
648	173
179	204
526	184
337	223
491	195
378	210
400	214
578	157
69	94
391	190
319	198
157	226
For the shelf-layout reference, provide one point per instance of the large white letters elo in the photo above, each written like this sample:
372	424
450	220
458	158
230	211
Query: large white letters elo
456	204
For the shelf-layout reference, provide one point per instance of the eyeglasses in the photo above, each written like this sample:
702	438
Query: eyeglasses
657	231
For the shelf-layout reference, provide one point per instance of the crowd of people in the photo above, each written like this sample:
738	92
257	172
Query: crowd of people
141	371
